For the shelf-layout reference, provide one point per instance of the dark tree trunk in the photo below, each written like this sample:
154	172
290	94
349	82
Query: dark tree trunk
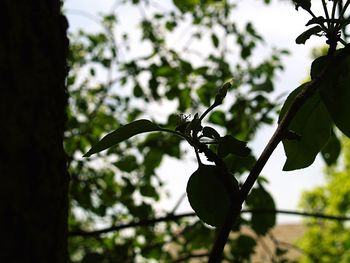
33	172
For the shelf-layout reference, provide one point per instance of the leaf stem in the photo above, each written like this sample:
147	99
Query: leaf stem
188	139
214	105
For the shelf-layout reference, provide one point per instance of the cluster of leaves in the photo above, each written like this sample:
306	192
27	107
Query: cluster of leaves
313	126
122	185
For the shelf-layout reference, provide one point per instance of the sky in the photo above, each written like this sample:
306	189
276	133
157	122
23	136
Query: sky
279	24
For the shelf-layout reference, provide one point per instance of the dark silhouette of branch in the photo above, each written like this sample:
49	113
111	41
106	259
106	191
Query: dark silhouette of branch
137	223
277	137
174	218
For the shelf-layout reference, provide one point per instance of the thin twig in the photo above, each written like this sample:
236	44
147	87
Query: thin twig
178	203
174	218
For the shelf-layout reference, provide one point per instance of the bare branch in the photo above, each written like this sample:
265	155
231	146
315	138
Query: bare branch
177	217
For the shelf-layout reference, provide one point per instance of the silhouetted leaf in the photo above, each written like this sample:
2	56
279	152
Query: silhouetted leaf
335	91
229	144
301	39
331	150
261	222
312	122
208	196
305	4
122	134
210	132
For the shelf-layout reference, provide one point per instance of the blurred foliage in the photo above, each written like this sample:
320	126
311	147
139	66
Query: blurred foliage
329	241
110	86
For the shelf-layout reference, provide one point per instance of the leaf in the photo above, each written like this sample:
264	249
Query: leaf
305	4
301	39
218	117
210	132
221	94
261	222
312	122
122	134
215	40
208	195
229	144
243	247
316	20
186	5
127	163
335	92
331	150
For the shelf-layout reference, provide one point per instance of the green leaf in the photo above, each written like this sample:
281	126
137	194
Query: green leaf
301	39
331	150
186	5
122	134
229	144
312	122
261	222
335	91
243	248
208	195
218	117
215	40
127	163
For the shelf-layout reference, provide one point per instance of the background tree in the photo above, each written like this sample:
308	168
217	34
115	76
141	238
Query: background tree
34	178
328	241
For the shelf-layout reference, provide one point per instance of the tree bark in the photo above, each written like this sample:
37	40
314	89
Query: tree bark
33	98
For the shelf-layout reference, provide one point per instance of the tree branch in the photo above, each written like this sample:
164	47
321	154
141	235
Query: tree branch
276	138
152	221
